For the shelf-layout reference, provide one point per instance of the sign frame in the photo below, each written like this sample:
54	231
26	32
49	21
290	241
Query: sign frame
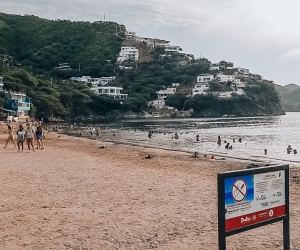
222	233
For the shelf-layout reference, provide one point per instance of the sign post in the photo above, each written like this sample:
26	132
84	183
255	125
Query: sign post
248	199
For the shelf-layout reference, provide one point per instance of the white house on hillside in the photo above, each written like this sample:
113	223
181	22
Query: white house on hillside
163	94
169	48
128	53
130	35
214	66
243	71
63	66
112	91
225	78
159	103
204	78
200	89
94	81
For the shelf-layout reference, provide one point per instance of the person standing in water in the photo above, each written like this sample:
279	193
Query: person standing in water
97	131
219	141
176	136
10	136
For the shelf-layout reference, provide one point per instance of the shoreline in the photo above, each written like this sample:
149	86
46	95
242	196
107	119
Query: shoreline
76	195
255	159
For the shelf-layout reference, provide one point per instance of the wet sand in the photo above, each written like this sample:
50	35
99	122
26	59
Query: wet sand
75	195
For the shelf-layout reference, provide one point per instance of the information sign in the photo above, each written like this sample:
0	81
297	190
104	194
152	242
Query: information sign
252	198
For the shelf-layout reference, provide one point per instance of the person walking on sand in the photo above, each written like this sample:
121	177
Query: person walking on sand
38	137
97	132
10	136
21	137
42	136
29	134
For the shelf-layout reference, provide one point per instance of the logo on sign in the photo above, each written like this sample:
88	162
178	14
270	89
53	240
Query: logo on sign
245	220
271	213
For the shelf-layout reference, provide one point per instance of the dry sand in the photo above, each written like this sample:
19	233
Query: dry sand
74	195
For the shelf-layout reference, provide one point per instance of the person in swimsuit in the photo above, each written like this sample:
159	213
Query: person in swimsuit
10	136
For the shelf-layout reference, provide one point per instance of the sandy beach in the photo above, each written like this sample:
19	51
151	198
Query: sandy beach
75	195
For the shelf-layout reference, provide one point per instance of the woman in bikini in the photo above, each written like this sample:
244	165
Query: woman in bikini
10	136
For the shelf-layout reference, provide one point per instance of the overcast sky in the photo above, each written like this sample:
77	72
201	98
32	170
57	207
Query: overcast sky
262	35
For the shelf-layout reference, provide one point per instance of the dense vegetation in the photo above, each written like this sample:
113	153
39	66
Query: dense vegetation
289	97
31	48
260	99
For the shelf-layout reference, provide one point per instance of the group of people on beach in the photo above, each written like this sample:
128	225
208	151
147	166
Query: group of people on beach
28	134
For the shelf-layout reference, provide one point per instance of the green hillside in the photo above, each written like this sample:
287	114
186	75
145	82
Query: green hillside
39	45
31	48
290	97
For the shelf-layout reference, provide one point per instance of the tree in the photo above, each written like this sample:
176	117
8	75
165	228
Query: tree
177	100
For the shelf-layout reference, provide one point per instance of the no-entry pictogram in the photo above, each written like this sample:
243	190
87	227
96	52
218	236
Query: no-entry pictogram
239	190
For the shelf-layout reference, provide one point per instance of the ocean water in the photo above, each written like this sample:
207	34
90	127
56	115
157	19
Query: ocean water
273	133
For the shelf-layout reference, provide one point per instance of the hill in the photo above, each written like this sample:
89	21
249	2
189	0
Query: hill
40	45
32	48
289	97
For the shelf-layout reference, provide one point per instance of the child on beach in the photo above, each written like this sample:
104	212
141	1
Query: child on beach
21	137
10	136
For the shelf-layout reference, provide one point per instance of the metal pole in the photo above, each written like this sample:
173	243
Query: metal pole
286	220
286	233
221	213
